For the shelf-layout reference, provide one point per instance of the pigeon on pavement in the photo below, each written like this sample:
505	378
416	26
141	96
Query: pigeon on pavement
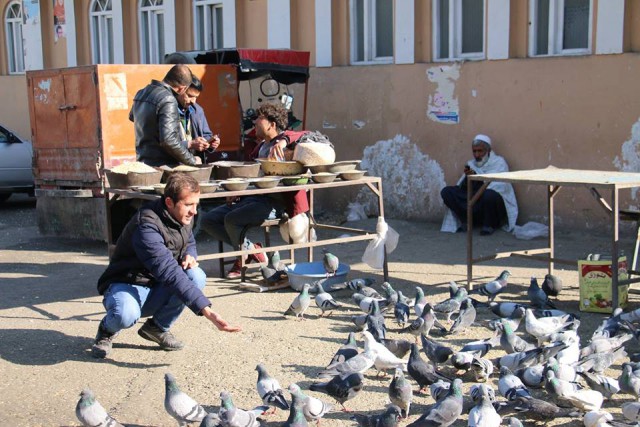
388	418
269	390
446	411
300	303
384	358
537	297
375	322
422	372
312	408
324	301
401	311
552	285
437	353
401	392
348	350
493	288
296	413
359	363
210	420
451	305
179	405
341	388
465	318
484	414
91	413
399	347
231	416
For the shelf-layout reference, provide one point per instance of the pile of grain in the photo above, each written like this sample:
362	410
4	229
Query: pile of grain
137	167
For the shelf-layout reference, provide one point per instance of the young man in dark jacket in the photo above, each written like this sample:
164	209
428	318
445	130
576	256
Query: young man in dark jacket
154	272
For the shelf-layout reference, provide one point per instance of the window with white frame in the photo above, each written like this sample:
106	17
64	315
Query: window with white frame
13	36
371	31
458	29
560	27
101	21
208	24
151	19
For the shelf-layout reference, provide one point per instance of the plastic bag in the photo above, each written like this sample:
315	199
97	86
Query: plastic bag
355	212
530	230
374	253
296	229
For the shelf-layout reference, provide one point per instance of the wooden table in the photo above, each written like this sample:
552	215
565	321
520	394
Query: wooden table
555	179
373	183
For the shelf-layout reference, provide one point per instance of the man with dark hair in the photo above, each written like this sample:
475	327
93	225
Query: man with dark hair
227	223
496	207
154	271
157	122
193	123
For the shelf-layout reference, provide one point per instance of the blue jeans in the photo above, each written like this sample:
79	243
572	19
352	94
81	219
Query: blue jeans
229	223
126	303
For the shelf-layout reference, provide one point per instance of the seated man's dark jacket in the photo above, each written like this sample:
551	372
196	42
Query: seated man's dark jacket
157	127
149	252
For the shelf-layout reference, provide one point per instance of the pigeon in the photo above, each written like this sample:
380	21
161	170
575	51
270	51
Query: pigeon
439	390
341	388
300	303
478	390
543	327
537	296
269	390
505	309
462	360
453	288
531	376
210	420
424	323
514	422
359	363
481	368
481	347
399	347
598	362
348	350
384	358
420	301
514	319
375	322
400	392
91	413
451	305
368	291
605	385
510	342
552	285
422	372
354	284
366	303
274	270
296	413
510	386
391	294
179	405
631	411
313	408
388	418
537	409
330	263
465	318
401	312
231	416
360	321
602	345
325	301
446	411
562	370
436	353
522	359
493	288
599	418
629	380
484	414
609	326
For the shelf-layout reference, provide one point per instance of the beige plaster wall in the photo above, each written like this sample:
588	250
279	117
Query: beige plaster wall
567	112
15	114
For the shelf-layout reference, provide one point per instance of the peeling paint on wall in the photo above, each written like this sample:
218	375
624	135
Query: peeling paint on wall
629	160
443	105
358	124
115	85
328	125
44	87
411	180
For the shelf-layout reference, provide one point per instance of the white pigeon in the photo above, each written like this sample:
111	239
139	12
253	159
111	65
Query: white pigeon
542	327
631	411
585	399
179	405
599	418
91	413
384	358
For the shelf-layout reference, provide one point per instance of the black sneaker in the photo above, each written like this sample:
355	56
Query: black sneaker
487	231
166	340
102	345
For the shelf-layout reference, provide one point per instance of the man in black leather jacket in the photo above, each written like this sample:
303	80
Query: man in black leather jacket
157	122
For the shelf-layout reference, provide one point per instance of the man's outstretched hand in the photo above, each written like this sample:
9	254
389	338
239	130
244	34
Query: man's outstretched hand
218	321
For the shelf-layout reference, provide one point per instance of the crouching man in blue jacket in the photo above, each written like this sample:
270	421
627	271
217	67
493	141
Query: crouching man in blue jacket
154	273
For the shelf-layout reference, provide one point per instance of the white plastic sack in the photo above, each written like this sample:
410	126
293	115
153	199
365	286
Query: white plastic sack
530	230
297	229
355	212
374	253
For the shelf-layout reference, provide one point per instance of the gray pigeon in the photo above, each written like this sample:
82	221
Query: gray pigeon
510	342
514	422
91	413
348	350
269	390
231	416
552	285
605	385
424	323
481	368
505	309
359	363
537	297
391	294
537	409
325	301
439	390
179	405
422	372
484	414
510	386
436	353
465	318
330	263
211	420
274	270
631	411
341	388
312	408
400	392
296	413
300	303
388	418
629	380
401	311
451	305
446	411
493	288
420	301
375	323
599	362
398	347
514	319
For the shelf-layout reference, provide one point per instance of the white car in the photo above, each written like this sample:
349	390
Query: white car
16	171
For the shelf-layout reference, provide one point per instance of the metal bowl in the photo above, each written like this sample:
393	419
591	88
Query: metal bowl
159	188
225	169
132	179
208	187
235	185
295	180
266	182
286	168
352	175
323	177
337	167
310	272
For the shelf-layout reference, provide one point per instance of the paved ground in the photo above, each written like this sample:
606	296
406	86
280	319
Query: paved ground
49	312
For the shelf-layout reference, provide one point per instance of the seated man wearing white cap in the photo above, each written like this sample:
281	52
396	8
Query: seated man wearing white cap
496	208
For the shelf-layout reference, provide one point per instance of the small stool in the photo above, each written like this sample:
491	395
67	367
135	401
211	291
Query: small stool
266	225
630	215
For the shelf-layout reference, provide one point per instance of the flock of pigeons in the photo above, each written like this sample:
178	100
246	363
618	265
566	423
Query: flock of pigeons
541	346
